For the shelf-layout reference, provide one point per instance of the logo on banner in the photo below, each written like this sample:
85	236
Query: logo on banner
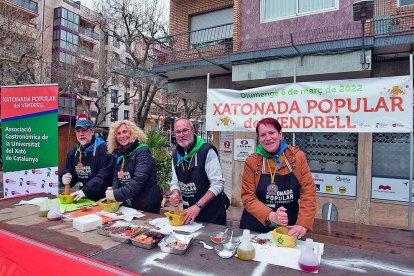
396	91
10	181
51	184
343	179
227	144
342	189
318	187
329	189
15	193
36	172
317	179
244	142
381	125
384	187
226	121
31	183
397	125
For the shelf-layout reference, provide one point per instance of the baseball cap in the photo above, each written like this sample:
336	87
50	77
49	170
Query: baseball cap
83	123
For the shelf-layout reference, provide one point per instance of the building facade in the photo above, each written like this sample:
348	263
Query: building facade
248	44
78	56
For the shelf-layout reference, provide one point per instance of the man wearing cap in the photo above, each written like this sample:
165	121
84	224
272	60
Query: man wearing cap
88	163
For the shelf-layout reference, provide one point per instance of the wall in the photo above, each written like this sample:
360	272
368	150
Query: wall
251	29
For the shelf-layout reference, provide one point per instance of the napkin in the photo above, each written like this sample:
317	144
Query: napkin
164	225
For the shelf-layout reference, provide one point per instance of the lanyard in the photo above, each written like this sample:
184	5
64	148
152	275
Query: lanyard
272	174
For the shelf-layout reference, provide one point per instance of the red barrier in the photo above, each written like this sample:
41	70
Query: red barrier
21	256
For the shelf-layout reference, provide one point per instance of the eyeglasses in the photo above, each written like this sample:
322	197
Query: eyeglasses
183	132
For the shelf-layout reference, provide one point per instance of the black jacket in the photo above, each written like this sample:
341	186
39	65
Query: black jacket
96	172
137	186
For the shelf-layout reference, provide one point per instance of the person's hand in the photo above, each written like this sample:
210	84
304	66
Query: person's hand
110	194
190	214
297	231
175	198
280	216
78	195
66	178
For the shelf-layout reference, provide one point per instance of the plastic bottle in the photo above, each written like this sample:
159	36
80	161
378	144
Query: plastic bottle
54	212
246	250
308	260
44	208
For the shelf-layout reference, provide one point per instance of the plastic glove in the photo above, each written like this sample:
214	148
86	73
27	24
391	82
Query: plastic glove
110	194
78	195
66	178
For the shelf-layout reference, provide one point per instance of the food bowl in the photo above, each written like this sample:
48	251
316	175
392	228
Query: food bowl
218	237
224	251
234	241
65	199
111	207
282	239
175	219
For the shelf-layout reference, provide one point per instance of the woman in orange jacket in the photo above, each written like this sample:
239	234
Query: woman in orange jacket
277	185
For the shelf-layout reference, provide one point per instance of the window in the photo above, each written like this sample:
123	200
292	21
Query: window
126	95
66	40
66	18
126	114
212	28
406	2
65	58
281	9
114	114
114	96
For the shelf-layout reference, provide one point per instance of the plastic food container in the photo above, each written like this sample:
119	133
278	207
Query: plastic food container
175	244
282	239
111	228
148	239
124	235
218	237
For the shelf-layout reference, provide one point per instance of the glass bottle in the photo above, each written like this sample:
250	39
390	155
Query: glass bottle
308	260
246	250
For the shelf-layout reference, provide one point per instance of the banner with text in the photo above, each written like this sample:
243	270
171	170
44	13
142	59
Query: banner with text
355	105
29	139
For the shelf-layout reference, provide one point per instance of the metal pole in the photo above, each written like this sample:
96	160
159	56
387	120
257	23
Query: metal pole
410	189
294	81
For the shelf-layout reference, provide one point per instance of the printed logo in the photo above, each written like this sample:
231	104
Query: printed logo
343	179
31	183
381	125
318	187
342	189
226	121
15	193
227	144
384	187
329	189
244	142
396	91
36	172
316	178
51	184
397	125
10	181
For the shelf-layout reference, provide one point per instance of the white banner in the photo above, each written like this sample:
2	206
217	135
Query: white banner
43	180
390	189
335	184
355	105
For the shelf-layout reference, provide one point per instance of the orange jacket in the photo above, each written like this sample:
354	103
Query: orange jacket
299	165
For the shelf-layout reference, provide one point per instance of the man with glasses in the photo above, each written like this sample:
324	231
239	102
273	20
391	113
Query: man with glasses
88	164
197	177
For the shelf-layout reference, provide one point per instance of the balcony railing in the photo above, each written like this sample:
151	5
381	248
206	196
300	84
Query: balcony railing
212	41
27	4
88	53
392	25
75	4
89	93
89	33
217	41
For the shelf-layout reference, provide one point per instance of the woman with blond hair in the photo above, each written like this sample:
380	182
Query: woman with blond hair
135	181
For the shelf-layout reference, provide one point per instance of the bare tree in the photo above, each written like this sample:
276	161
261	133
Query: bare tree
135	24
20	51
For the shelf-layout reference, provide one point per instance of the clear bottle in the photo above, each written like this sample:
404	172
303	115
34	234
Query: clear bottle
308	260
246	250
54	212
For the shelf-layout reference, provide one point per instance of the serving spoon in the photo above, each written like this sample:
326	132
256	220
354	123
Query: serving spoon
206	246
